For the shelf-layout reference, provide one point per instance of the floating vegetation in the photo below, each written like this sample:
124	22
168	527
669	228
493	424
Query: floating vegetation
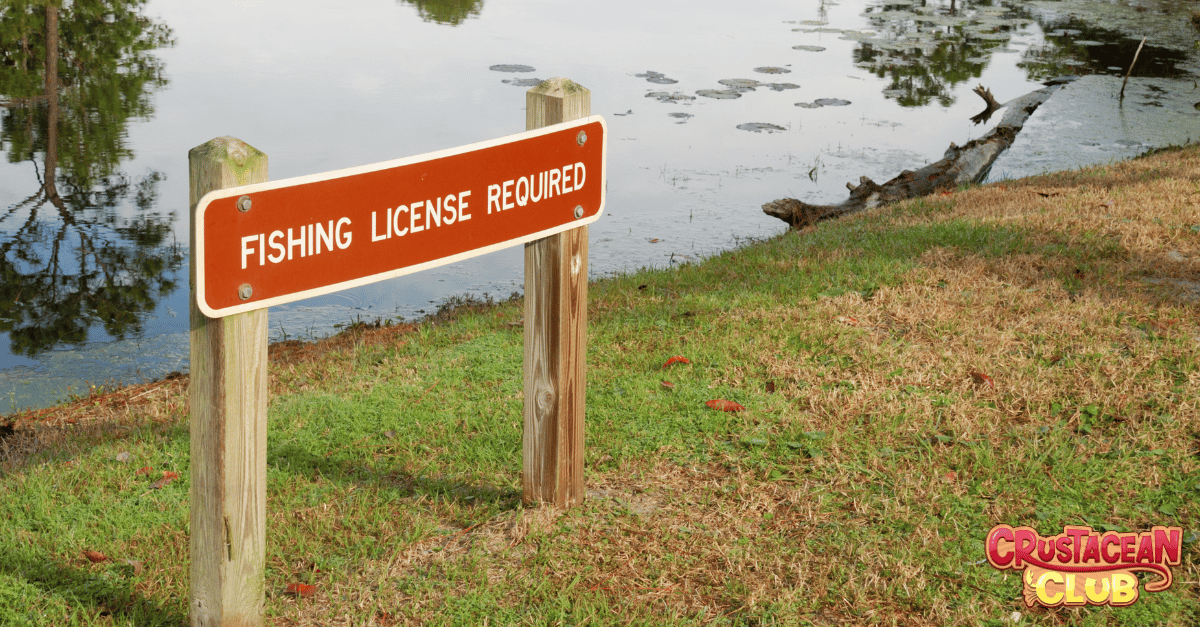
740	84
511	68
682	117
663	96
522	82
758	127
656	77
823	102
992	36
809	48
772	70
720	94
858	35
816	30
782	86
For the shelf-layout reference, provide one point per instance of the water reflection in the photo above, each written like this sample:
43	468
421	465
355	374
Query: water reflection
72	79
452	12
927	48
1076	47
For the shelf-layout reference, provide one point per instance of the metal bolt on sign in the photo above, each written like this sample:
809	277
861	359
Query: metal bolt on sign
243	204
244	290
581	138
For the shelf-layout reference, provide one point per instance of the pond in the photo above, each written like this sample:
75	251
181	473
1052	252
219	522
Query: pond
713	109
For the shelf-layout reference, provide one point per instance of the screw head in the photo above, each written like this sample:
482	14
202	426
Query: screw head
578	211
245	291
581	138
243	204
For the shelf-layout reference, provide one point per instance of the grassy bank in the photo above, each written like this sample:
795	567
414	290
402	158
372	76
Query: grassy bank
1022	353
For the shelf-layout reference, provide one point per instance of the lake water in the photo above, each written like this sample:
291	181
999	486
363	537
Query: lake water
94	282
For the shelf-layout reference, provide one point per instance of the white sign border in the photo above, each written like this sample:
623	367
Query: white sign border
198	255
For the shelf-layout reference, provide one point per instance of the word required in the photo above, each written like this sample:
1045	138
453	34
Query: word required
540	186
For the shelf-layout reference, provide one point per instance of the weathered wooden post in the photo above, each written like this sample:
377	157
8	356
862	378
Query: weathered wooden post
556	279
228	424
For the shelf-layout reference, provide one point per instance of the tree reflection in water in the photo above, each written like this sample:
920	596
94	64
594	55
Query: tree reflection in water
451	12
927	48
71	80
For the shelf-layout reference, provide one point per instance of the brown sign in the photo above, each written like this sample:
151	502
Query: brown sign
277	242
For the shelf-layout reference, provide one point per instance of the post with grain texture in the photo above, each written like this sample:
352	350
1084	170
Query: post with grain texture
556	279
228	425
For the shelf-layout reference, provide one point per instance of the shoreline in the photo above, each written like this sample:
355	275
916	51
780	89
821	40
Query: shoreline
77	407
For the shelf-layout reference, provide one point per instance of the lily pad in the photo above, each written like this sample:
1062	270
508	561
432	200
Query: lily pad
511	68
782	86
663	96
680	114
657	78
522	82
772	70
740	83
720	94
759	127
831	102
809	48
808	105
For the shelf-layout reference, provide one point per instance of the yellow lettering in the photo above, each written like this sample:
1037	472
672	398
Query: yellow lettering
1124	588
1089	587
1043	596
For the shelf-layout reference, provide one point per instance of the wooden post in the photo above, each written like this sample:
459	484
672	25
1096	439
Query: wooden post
556	279
228	425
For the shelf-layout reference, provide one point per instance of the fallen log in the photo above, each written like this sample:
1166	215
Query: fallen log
961	165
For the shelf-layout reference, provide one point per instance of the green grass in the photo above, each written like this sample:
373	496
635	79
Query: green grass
856	488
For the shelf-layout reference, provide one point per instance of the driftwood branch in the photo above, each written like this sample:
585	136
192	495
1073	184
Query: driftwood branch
959	166
992	105
1133	63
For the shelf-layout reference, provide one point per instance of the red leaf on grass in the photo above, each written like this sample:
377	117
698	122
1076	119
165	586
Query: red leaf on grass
667	384
676	360
144	470
301	589
724	405
770	387
982	379
167	477
95	557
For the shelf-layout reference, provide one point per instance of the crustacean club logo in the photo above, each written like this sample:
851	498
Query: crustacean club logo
1085	567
